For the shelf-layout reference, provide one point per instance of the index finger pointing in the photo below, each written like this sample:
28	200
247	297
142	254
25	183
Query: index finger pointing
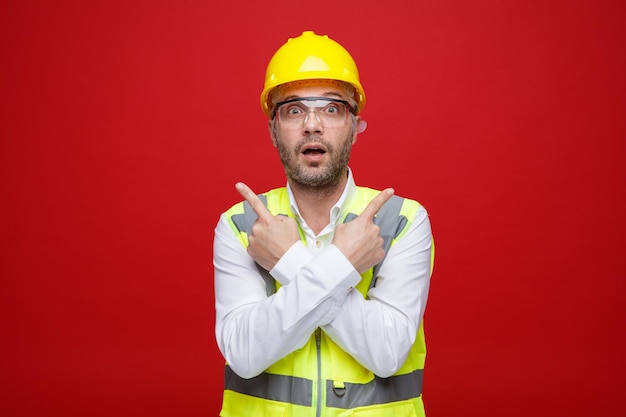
376	204
255	202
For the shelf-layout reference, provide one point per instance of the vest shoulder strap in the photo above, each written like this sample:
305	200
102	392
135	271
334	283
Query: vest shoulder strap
243	222
391	224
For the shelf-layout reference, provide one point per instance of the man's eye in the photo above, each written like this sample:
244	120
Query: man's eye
331	109
294	111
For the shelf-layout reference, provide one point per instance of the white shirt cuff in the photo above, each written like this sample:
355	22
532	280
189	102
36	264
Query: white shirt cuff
291	262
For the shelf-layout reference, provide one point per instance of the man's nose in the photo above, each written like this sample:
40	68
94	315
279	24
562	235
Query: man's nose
312	123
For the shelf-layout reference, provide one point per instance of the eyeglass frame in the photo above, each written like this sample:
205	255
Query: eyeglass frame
331	99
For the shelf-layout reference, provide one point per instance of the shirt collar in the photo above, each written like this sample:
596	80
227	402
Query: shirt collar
335	211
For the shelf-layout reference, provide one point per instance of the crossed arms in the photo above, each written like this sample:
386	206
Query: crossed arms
253	330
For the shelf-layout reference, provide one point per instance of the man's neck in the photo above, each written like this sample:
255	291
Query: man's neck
314	203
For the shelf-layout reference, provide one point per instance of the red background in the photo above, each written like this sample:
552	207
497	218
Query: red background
125	125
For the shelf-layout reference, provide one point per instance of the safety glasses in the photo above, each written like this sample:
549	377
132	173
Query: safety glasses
330	112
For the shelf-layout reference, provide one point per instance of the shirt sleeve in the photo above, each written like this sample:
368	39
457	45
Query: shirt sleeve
254	330
379	332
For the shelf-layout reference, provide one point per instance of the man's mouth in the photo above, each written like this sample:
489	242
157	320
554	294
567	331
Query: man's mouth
312	149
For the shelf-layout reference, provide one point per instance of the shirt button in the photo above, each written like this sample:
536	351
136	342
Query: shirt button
318	243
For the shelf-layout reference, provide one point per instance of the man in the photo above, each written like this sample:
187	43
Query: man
321	285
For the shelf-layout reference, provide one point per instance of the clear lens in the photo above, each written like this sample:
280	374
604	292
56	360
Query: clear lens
329	111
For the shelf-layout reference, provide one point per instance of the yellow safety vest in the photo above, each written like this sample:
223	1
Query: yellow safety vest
320	379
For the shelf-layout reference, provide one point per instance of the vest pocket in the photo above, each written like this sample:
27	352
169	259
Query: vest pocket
408	408
237	405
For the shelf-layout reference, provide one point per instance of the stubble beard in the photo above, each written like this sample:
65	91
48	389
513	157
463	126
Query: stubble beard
303	176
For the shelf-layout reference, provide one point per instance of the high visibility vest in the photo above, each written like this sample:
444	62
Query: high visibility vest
320	379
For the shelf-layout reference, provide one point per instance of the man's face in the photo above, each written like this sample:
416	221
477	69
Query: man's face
313	153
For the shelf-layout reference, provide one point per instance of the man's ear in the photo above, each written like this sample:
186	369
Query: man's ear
361	125
270	127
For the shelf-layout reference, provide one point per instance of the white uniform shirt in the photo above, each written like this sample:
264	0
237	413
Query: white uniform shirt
254	331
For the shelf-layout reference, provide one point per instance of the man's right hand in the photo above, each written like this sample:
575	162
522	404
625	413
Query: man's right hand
359	240
271	235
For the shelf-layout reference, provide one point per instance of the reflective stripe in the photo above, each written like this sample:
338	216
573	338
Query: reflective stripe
294	390
391	224
287	389
245	220
378	391
244	223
